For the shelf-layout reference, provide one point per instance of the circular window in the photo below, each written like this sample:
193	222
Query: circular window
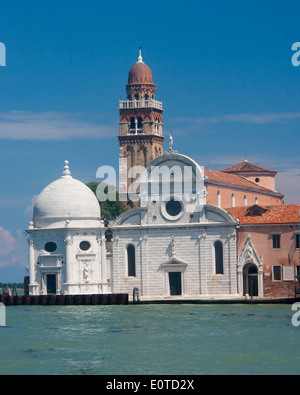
173	208
257	179
85	245
50	247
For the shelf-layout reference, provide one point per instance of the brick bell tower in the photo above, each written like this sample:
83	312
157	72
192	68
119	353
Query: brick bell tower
141	133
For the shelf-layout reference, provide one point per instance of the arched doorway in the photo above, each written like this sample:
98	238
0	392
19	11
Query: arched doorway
250	277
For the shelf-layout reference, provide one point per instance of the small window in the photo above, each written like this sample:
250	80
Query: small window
298	241
140	124
257	179
288	273
276	245
219	257
131	260
156	126
276	273
50	247
132	123
233	200
298	273
219	203
85	246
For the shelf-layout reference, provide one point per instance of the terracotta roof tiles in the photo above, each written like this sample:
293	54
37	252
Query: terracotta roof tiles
280	214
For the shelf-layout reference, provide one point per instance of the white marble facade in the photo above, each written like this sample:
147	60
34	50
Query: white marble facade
67	241
174	247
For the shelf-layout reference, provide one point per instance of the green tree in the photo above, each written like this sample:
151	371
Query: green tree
110	210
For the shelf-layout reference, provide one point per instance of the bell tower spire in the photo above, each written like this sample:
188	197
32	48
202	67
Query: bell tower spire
141	129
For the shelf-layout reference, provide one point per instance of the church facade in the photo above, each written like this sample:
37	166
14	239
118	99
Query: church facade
175	245
197	234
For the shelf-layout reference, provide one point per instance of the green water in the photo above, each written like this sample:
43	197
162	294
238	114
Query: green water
150	339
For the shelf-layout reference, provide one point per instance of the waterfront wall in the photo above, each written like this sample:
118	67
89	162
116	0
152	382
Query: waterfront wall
101	299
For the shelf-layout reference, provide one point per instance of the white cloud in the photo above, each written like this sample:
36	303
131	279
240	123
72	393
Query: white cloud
288	182
29	209
7	243
13	249
51	125
252	118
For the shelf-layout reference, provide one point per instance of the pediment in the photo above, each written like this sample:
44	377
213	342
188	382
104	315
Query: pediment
249	254
174	263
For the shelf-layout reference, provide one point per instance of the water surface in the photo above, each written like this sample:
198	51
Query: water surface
150	339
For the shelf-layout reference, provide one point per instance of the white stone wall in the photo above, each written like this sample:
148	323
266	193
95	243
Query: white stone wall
77	271
194	247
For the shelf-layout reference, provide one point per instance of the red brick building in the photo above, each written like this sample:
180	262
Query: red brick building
268	249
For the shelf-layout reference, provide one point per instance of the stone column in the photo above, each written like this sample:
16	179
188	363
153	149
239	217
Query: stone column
202	275
69	242
143	265
103	263
102	259
233	286
32	275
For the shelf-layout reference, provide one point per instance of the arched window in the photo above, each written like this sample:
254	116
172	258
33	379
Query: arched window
219	257
245	200
156	126
256	200
140	125
136	97
131	260
143	156
132	125
219	199
130	157
232	200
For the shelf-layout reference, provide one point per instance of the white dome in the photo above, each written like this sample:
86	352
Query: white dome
66	201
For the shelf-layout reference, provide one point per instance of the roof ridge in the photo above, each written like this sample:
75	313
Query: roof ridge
247	166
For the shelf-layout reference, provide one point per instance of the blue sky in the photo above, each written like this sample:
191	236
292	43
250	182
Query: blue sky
222	68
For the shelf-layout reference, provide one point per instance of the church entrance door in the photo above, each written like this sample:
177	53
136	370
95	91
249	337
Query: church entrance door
51	284
175	283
